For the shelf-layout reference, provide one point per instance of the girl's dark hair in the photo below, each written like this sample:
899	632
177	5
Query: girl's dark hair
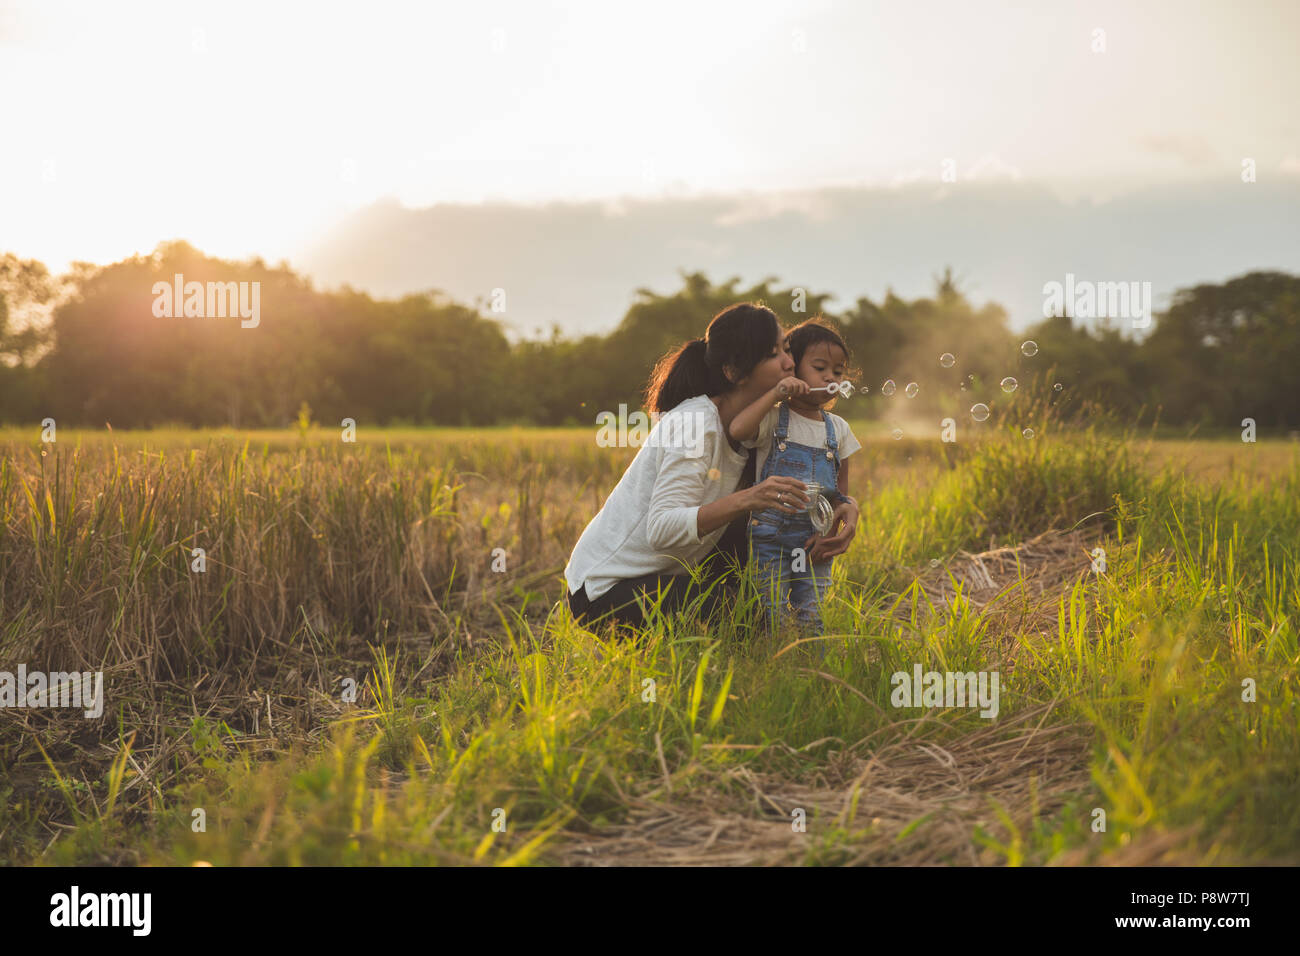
807	334
740	336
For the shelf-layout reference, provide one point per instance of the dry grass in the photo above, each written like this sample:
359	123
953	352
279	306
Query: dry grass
1038	571
907	803
1027	766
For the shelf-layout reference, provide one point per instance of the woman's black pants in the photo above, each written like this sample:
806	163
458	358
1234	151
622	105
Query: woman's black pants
717	584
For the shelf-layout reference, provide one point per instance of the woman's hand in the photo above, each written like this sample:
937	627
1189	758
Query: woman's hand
820	548
789	495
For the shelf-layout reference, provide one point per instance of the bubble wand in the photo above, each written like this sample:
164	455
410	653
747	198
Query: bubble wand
844	388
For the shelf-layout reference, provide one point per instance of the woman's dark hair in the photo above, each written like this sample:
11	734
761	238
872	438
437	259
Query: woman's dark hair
740	336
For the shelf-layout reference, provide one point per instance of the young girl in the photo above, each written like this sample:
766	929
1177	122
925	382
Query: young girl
798	438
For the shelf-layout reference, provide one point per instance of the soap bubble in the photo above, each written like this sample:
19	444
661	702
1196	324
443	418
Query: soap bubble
1029	348
934	562
898	434
846	389
1009	384
946	359
912	389
1028	433
863	390
888	387
963	386
979	412
1057	387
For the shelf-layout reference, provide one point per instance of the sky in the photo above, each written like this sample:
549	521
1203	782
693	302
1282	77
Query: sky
257	128
579	265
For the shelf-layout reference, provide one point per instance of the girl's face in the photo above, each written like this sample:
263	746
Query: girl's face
822	364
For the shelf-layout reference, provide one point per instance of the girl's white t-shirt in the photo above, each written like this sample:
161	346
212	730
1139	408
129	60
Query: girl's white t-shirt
648	523
801	431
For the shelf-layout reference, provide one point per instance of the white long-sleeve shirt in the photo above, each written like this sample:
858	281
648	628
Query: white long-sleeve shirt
648	523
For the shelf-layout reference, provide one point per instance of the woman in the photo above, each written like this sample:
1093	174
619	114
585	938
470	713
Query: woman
690	481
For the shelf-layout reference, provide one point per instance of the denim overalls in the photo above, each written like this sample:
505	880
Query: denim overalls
774	534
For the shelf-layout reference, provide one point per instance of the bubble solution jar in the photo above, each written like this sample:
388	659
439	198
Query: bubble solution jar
820	511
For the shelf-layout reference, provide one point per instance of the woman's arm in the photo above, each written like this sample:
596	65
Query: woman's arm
787	494
708	517
676	519
722	512
679	482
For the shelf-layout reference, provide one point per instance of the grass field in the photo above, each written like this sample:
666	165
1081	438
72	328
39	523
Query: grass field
1157	697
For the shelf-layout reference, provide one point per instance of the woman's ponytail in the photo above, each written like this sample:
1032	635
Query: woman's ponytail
740	336
680	375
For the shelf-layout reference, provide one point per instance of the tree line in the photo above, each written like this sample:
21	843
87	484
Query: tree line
1218	354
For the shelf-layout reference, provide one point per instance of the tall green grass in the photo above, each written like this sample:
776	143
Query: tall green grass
482	701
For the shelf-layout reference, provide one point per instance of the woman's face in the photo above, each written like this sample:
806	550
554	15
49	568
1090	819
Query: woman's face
772	369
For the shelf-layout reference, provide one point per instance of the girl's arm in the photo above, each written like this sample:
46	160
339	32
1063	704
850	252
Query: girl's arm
843	482
744	427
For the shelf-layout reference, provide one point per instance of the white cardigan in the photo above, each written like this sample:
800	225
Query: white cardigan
648	523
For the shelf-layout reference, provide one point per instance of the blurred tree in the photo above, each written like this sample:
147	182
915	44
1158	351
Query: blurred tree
25	285
1226	352
1221	353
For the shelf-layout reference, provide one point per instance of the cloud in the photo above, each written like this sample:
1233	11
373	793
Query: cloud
991	167
987	169
1193	151
701	248
760	207
912	176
